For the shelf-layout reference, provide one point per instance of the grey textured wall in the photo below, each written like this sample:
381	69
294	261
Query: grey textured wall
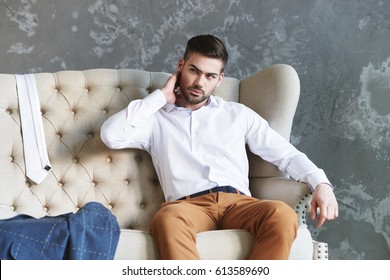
341	50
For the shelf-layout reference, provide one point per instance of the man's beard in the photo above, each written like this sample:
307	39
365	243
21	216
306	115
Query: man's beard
192	99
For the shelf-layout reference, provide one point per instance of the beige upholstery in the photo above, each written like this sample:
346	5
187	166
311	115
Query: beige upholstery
74	105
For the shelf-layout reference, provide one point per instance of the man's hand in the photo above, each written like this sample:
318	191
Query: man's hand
169	87
324	199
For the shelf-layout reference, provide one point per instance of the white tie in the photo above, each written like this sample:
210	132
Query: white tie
34	143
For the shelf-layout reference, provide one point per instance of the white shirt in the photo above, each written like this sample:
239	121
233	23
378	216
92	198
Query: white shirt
193	151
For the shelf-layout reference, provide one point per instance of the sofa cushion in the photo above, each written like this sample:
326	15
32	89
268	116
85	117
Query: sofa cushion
212	245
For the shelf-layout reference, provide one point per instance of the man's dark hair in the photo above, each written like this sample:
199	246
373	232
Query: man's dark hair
207	45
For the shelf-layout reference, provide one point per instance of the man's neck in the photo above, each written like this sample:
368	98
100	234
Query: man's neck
193	107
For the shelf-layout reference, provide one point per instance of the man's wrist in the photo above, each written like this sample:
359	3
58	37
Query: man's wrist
322	183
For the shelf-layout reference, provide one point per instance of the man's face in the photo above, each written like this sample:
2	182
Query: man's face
199	77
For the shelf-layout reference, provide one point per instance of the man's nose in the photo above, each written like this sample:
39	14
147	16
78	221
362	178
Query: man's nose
199	81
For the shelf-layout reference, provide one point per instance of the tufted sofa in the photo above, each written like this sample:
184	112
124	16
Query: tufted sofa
74	104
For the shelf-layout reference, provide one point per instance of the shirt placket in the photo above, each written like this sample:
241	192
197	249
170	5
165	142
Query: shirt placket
197	142
194	133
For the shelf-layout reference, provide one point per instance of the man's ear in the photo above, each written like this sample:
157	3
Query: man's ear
180	64
220	78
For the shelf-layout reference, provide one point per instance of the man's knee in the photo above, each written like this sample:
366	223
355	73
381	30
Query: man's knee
285	209
283	214
167	217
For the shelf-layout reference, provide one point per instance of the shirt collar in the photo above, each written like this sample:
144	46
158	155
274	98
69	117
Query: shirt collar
212	102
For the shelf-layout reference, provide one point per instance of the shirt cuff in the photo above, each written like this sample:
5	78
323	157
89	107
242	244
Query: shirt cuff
155	100
316	178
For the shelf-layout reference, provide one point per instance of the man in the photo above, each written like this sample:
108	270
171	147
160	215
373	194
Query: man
197	144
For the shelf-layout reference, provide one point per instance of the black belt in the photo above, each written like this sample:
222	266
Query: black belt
225	189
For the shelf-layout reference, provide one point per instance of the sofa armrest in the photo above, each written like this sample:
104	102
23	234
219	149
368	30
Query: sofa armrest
320	250
273	92
296	195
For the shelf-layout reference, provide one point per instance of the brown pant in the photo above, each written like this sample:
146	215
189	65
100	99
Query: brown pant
273	223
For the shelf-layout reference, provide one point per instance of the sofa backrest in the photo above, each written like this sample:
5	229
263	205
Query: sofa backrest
74	104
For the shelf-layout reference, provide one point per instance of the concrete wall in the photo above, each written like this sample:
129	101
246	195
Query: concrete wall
339	48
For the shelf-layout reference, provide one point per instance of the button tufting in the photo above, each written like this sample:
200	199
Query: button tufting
87	90
138	158
28	184
109	159
93	183
110	206
45	209
105	111
11	159
127	182
142	205
75	160
9	111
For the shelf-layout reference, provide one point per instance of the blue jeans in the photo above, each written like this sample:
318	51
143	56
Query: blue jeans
91	233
